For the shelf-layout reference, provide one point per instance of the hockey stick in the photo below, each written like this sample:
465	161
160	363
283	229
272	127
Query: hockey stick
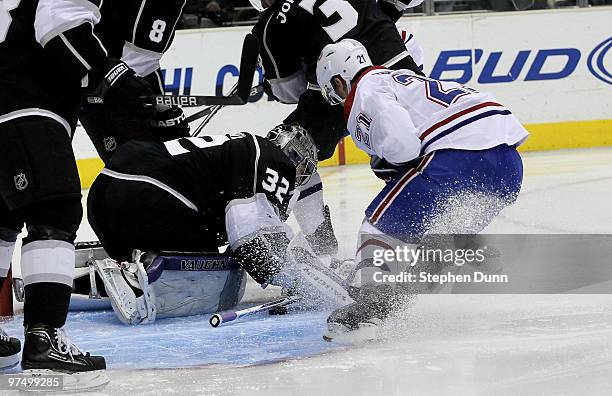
229	316
210	112
248	64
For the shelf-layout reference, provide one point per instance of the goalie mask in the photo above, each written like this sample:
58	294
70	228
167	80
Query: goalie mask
299	147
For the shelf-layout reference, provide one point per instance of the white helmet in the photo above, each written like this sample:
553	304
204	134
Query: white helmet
343	59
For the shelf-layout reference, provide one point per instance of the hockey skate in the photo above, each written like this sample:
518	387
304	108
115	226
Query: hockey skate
9	350
360	321
49	351
128	289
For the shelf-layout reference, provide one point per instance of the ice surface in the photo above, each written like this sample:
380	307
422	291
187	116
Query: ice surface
442	344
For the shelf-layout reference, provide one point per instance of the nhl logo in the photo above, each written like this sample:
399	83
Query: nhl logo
21	182
110	144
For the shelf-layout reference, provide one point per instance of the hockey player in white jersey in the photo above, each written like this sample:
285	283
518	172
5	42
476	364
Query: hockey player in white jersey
432	141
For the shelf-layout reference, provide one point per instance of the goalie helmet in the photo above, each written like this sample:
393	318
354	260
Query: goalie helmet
343	59
299	147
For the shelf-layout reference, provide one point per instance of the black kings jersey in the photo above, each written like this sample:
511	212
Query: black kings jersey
139	32
213	173
293	33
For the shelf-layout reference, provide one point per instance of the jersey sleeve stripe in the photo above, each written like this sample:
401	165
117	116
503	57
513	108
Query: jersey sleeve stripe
152	181
175	23
265	43
453	117
256	165
75	52
142	5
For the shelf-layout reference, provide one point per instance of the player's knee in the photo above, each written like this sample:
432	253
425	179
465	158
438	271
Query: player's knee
54	220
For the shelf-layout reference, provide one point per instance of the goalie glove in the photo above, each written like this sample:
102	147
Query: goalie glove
263	256
123	90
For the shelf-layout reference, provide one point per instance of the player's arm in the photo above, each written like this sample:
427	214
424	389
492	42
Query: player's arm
284	72
149	30
256	232
257	236
395	8
65	29
393	135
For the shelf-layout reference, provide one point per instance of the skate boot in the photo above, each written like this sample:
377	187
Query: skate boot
9	350
49	351
359	321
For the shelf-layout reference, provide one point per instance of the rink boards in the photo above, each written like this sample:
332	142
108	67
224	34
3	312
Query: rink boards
552	68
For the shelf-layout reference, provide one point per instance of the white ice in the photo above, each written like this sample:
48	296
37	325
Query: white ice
442	344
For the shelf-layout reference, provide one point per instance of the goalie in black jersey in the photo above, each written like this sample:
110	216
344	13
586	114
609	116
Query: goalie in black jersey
292	35
197	194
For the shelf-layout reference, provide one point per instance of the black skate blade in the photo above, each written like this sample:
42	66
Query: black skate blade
70	382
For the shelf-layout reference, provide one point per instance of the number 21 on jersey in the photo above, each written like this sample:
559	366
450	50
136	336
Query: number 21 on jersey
5	17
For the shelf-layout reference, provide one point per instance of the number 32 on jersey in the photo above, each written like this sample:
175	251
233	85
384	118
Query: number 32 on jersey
272	184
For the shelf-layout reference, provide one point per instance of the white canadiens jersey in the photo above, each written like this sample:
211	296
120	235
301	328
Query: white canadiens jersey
399	116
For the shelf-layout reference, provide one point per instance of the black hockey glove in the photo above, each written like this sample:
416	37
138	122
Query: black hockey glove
169	123
385	170
122	90
263	257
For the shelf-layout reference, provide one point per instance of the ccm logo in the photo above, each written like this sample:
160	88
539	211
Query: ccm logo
176	100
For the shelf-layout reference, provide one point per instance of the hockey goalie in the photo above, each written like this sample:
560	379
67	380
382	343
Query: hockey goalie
162	211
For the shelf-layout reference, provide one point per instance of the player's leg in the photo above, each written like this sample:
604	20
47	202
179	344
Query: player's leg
326	126
39	179
10	223
424	199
